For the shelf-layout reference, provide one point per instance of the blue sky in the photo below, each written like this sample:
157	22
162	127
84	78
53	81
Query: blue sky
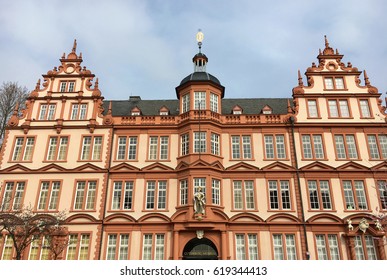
146	47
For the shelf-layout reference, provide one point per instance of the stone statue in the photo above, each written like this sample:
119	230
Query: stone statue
199	201
350	226
378	225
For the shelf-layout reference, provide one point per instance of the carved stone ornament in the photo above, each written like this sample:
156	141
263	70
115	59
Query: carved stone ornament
200	234
350	226
363	225
378	225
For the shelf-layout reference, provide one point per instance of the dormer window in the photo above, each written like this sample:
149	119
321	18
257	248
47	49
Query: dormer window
164	111
267	110
237	110
334	83
135	111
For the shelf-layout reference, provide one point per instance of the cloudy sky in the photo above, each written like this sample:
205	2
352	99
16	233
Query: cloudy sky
145	47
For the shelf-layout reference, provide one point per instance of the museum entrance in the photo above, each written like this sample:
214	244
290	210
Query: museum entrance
200	249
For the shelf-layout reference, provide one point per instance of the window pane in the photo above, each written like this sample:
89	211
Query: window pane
269	148
325	195
280	142
313	195
246	147
312	109
360	195
333	110
235	147
340	148
306	146
344	111
351	145
348	195
238	195
321	247
318	146
328	83
273	194
278	249
365	109
240	247
333	247
150	195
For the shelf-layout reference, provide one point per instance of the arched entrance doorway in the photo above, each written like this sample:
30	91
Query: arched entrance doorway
200	249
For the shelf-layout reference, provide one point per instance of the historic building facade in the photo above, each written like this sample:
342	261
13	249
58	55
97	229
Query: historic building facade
202	176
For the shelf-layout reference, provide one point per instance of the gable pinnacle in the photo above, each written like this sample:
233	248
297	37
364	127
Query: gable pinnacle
74	46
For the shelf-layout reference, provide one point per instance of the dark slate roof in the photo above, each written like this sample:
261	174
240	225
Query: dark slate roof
152	107
200	76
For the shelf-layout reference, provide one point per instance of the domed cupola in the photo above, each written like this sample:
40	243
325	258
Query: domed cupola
200	74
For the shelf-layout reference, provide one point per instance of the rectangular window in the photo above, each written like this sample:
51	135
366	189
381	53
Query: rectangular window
338	108
153	247
346	146
246	246
365	248
275	146
47	111
127	148
355	195
377	145
312	109
382	186
185	144
279	195
91	148
215	192
78	248
158	147
284	246
327	247
215	144
156	195
117	247
214	102
244	195
67	86
48	196
312	146
85	195
186	103
334	83
364	108
122	198
78	111
8	250
183	192
57	148
241	147
23	149
200	142
319	195
200	101
39	249
12	196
